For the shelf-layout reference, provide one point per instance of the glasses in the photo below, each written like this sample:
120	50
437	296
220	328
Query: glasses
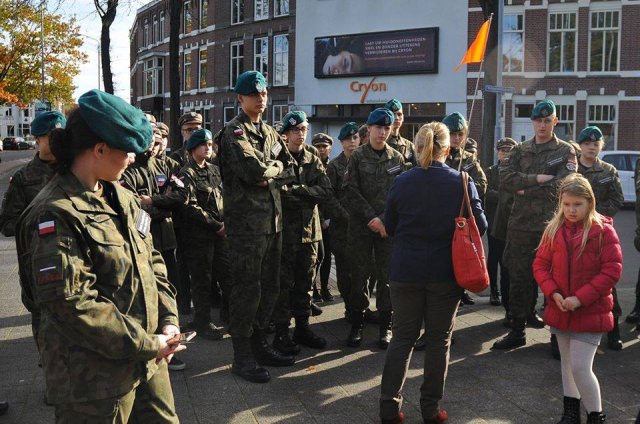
190	130
297	130
505	150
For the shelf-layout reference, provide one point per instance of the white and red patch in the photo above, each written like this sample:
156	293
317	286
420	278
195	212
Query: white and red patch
47	227
238	131
161	180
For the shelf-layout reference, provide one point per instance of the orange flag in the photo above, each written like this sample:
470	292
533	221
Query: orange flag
475	54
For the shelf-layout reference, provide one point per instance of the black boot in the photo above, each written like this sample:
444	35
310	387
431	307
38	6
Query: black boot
634	316
515	338
421	343
571	413
209	331
326	294
304	336
357	324
613	337
385	330
283	343
316	295
494	298
534	320
371	317
267	355
315	309
466	299
555	350
596	418
243	363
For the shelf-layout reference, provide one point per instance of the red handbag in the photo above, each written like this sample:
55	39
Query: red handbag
467	251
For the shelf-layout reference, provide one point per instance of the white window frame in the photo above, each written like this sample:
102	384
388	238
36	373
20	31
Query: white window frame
237	12
161	27
517	31
564	109
280	110
278	4
200	63
228	109
260	10
186	73
262	57
186	13
601	106
279	54
154	30
562	42
605	30
145	34
204	13
239	58
153	69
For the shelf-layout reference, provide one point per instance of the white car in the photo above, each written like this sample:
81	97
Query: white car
625	163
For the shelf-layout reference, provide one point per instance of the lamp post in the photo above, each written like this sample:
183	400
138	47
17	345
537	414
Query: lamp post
42	47
98	43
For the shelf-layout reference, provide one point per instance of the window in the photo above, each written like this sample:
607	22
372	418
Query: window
522	110
204	13
566	122
228	114
280	8
187	71
159	76
148	77
261	8
281	60
279	111
562	42
202	72
237	11
161	29
513	44
261	55
604	36
154	31
604	116
237	61
187	18
145	36
153	76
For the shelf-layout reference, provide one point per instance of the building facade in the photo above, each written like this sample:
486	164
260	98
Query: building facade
15	121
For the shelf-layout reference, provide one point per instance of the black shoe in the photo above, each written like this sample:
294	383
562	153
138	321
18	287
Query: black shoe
357	324
613	337
251	372
209	331
534	321
571	412
555	350
634	316
466	299
304	336
4	407
512	340
266	355
371	317
176	364
385	330
315	310
283	343
494	298
316	295
326	295
596	418
421	343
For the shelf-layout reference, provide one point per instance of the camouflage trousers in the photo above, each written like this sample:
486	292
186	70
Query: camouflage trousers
209	263
339	248
255	281
297	272
519	253
150	402
366	247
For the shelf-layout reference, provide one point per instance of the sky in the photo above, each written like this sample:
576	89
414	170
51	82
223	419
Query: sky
90	26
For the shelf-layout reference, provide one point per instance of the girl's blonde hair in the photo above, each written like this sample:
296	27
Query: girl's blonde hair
431	140
578	186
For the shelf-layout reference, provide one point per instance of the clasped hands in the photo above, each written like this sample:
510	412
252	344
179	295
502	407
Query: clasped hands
570	303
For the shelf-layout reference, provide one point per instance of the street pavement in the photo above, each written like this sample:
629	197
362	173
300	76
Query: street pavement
341	384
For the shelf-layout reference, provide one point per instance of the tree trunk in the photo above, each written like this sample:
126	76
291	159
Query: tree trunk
491	63
107	17
175	11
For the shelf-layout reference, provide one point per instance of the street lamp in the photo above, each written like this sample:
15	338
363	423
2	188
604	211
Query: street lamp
98	42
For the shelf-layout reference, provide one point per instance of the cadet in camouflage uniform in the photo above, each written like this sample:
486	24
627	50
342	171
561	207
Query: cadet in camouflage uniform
87	261
301	235
255	164
607	190
533	172
173	165
369	176
188	123
406	148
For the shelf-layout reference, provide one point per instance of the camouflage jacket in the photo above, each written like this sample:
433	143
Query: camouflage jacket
502	206
248	159
406	148
367	181
23	188
300	200
470	165
180	156
493	193
535	207
606	186
336	209
87	261
202	198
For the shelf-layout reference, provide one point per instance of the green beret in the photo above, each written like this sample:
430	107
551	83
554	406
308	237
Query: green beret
543	109
47	121
347	130
381	116
164	129
591	133
115	121
455	122
250	82
506	142
198	137
292	119
393	105
322	138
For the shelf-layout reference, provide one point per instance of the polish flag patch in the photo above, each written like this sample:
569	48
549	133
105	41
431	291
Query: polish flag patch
238	131
46	227
161	180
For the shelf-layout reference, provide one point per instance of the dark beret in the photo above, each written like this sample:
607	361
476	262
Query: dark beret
455	122
47	121
393	105
543	109
250	82
591	133
322	138
381	116
347	130
198	137
292	119
471	145
115	121
506	142
190	118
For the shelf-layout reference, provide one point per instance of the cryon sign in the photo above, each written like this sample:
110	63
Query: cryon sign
364	88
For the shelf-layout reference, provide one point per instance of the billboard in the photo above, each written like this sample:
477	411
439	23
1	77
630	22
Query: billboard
412	51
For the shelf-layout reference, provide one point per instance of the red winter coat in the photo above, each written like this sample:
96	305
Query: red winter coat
590	276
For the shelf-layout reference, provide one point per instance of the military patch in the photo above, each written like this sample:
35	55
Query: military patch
276	149
554	162
544	113
161	180
571	166
593	137
238	131
51	273
46	227
260	86
605	180
177	181
468	166
292	121
143	224
394	169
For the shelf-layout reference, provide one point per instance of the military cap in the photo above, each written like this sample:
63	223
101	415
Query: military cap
471	145
506	143
198	137
347	130
250	82
591	133
150	118
543	109
393	105
322	138
164	129
115	121
190	118
156	131
455	122
47	121
381	116
292	119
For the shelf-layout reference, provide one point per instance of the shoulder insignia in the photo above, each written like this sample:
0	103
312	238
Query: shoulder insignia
571	166
143	223
51	271
47	225
161	180
606	180
276	149
468	166
238	131
394	169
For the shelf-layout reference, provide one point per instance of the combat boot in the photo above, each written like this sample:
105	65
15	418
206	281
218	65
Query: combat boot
266	355
326	294
634	316
283	343
209	331
315	309
515	338
316	295
571	413
371	317
243	363
534	320
304	336
357	325
385	330
613	337
466	299
494	298
596	418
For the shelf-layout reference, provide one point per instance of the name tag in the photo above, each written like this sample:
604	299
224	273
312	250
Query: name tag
276	149
143	224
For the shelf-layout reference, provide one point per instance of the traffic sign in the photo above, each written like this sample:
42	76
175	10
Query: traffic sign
496	89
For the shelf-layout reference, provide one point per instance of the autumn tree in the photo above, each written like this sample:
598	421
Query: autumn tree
20	54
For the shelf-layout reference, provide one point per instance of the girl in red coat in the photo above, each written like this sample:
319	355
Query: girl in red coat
578	261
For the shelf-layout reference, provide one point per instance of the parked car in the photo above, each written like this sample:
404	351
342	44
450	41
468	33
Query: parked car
31	141
625	163
14	143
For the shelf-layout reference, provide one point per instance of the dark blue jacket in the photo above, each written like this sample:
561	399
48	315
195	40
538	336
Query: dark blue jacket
420	212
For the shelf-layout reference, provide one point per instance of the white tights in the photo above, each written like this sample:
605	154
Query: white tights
578	379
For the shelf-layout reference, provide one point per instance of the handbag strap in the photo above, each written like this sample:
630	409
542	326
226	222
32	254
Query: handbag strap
465	195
